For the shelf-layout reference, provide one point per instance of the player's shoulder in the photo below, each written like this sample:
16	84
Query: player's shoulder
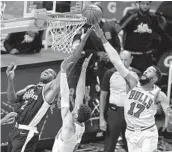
132	79
136	71
79	126
161	96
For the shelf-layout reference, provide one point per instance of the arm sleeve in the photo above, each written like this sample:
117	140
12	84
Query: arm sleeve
115	59
64	90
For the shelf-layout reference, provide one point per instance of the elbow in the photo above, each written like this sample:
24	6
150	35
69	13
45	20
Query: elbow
12	99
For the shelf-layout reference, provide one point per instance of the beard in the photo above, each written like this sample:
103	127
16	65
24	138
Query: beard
144	11
44	81
144	81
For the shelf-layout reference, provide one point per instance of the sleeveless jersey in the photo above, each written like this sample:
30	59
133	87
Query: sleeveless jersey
140	106
30	104
70	145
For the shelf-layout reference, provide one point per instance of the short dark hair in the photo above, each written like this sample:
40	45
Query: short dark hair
84	113
158	73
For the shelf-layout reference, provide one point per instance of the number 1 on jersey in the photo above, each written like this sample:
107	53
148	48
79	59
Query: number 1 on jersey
140	108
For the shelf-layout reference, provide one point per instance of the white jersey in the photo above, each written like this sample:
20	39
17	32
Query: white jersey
140	107
71	144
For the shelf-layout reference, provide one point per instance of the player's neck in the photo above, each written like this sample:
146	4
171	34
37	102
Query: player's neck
143	13
148	87
40	83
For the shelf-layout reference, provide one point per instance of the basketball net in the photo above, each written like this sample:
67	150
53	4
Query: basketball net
63	27
2	5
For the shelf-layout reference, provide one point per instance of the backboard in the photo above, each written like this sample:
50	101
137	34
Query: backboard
20	15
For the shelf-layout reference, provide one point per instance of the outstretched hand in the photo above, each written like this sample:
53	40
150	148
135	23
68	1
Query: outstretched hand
9	118
86	62
98	31
84	36
67	62
10	71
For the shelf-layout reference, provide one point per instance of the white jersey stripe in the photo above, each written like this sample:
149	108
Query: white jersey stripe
42	111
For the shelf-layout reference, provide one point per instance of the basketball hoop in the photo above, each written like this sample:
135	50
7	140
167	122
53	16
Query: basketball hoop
63	27
2	5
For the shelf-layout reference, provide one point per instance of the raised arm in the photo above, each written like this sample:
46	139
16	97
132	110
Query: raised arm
11	94
115	58
53	88
9	118
79	49
64	91
165	103
80	89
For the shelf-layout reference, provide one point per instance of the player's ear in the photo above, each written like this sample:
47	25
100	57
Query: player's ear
155	79
131	58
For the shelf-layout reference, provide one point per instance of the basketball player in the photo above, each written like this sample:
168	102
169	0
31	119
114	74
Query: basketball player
73	127
141	102
34	101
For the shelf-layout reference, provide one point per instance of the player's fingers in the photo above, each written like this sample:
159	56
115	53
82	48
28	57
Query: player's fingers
90	56
9	67
13	114
88	89
14	67
10	121
83	31
10	73
163	129
70	63
97	26
91	28
103	128
66	59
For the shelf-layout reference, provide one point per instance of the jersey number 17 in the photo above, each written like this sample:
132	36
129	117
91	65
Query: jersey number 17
140	108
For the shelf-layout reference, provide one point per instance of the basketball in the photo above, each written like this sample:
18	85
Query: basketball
93	13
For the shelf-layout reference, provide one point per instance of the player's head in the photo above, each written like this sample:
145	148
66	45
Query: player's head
83	113
126	58
151	75
144	6
47	76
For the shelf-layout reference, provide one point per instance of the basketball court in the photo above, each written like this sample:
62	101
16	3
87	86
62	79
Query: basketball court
18	16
